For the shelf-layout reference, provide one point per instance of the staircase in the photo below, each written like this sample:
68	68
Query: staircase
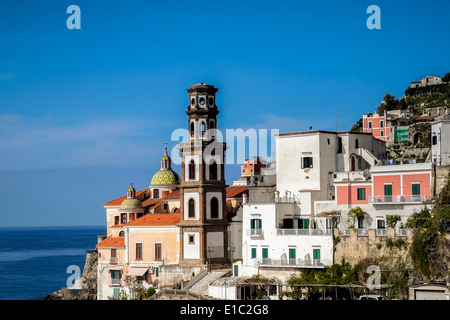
201	287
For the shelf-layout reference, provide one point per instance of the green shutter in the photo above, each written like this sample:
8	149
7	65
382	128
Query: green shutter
416	189
291	253
157	272
252	223
310	162
265	252
388	190
253	252
361	193
116	293
316	254
305	224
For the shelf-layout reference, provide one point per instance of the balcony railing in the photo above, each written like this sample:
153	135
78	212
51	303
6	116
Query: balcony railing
401	232
381	232
362	232
255	232
398	199
113	260
116	282
297	232
293	262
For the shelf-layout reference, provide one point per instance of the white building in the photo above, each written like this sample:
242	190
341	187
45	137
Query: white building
440	145
280	228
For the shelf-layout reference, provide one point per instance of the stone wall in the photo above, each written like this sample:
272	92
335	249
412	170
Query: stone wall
354	248
172	276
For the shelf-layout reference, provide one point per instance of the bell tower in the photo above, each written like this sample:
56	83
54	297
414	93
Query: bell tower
204	226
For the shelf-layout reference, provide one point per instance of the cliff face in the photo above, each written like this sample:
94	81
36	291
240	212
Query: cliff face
86	285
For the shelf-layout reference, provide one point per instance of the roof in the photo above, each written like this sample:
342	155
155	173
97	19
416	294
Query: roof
118	201
112	242
131	204
165	177
175	194
236	191
156	219
151	203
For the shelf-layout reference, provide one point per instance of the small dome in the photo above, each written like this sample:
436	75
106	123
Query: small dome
131	204
165	177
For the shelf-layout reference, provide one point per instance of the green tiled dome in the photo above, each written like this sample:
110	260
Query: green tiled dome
130	204
165	177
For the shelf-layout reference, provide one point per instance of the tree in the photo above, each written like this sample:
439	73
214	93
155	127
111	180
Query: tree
430	247
446	77
357	127
392	220
354	214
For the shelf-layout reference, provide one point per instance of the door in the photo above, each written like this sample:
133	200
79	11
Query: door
265	255
292	256
387	193
316	256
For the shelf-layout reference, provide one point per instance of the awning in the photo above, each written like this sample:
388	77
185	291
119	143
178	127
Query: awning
137	272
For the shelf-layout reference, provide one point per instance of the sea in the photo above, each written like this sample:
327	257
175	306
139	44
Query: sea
37	261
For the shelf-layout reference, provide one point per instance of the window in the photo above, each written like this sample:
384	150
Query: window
192	128
434	140
156	193
116	220
356	144
265	253
158	251
381	224
113	253
388	190
381	123
361	224
124	218
203	128
382	133
361	193
316	254
339	145
416	189
138	251
191	239
307	162
214	207
191	210
253	253
192	170
370	124
213	171
303	223
256	224
291	255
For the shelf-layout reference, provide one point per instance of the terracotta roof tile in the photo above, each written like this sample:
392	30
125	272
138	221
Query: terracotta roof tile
152	203
156	219
118	201
112	242
236	191
175	194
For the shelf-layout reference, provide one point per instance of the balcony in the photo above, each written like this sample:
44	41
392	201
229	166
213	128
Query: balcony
397	199
299	232
401	232
296	263
113	260
362	232
116	282
381	232
255	232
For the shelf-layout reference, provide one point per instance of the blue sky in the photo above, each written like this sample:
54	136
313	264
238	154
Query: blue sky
85	112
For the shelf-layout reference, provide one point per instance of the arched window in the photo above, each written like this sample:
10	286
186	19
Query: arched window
192	170
214	207
192	128
213	171
191	213
122	233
